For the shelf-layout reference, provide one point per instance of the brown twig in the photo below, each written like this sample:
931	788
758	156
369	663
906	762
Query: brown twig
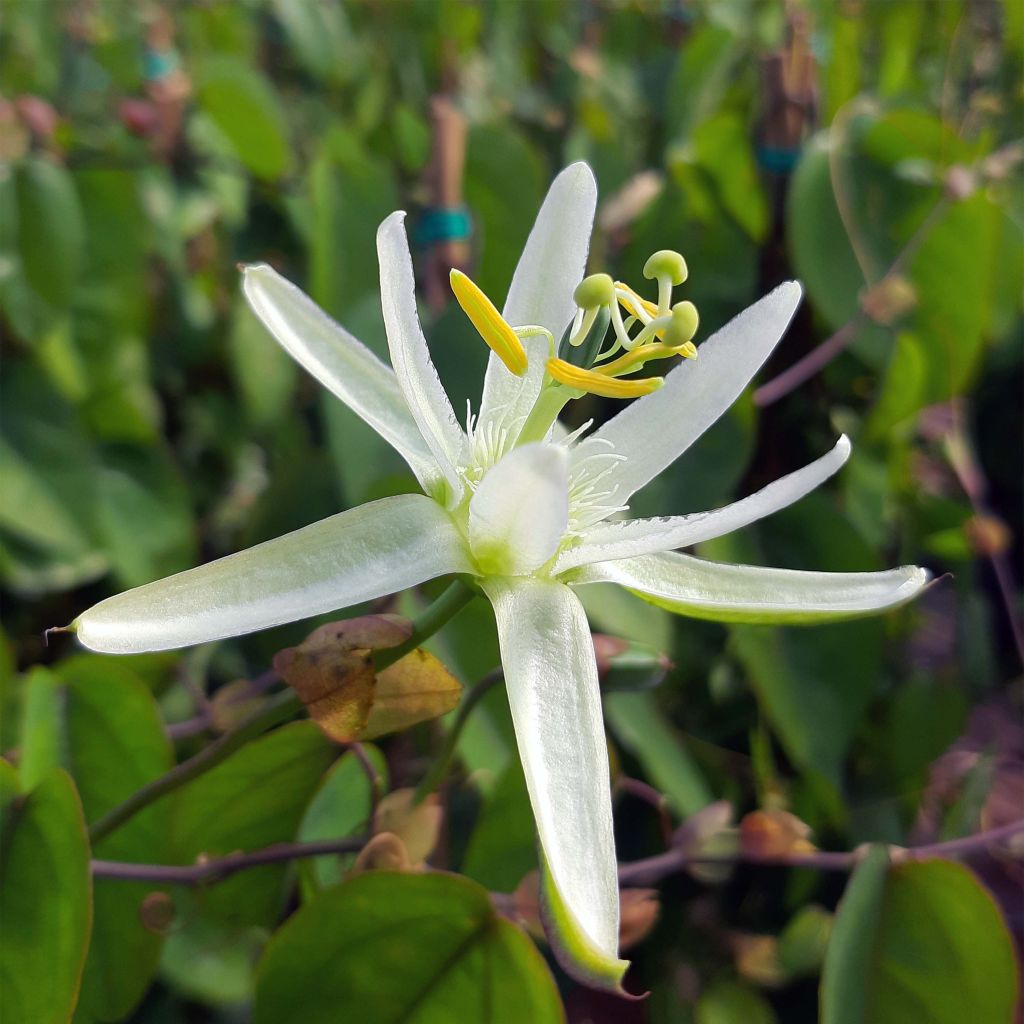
222	867
817	359
651	869
375	781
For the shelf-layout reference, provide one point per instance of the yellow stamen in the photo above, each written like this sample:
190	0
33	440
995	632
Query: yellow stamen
489	323
631	301
641	354
600	384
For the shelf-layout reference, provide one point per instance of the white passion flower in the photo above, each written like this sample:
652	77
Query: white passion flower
526	510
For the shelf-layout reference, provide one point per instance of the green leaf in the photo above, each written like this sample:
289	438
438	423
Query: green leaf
209	961
339	808
40	728
144	513
45	900
641	728
51	235
114	743
318	32
245	107
256	797
503	845
918	941
264	373
729	1002
403	947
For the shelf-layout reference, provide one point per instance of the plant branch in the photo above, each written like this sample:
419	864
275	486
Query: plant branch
651	869
278	709
222	867
817	359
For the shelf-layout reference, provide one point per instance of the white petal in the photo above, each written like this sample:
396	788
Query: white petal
417	377
647	536
376	549
553	262
655	430
342	363
551	676
520	511
747	593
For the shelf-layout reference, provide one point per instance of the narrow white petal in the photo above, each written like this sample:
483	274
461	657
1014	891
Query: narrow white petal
747	593
655	430
341	362
551	676
417	377
646	536
356	556
520	511
553	262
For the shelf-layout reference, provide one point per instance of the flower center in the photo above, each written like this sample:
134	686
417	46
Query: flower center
585	361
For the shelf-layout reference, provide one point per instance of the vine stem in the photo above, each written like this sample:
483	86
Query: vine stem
222	867
639	872
439	768
651	869
278	709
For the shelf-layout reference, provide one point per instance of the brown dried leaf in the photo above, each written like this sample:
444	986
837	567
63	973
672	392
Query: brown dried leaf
774	833
418	825
384	852
413	690
757	959
638	913
332	672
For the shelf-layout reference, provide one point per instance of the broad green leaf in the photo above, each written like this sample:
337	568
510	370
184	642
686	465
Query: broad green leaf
264	373
144	514
319	34
50	229
813	683
212	962
350	192
917	941
730	1002
45	900
428	948
340	807
245	107
503	845
114	743
255	798
642	729
41	732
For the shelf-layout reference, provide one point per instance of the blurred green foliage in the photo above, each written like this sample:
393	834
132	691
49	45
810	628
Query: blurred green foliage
870	149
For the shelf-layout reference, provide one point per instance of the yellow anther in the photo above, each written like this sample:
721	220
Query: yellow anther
666	263
489	323
644	353
633	303
599	383
596	290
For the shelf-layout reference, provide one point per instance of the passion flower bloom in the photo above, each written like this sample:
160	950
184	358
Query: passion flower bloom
527	510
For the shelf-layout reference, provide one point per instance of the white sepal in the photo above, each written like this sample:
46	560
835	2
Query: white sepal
655	430
551	676
632	537
417	377
747	593
375	549
342	363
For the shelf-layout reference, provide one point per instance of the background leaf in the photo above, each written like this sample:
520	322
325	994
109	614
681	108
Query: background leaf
398	945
